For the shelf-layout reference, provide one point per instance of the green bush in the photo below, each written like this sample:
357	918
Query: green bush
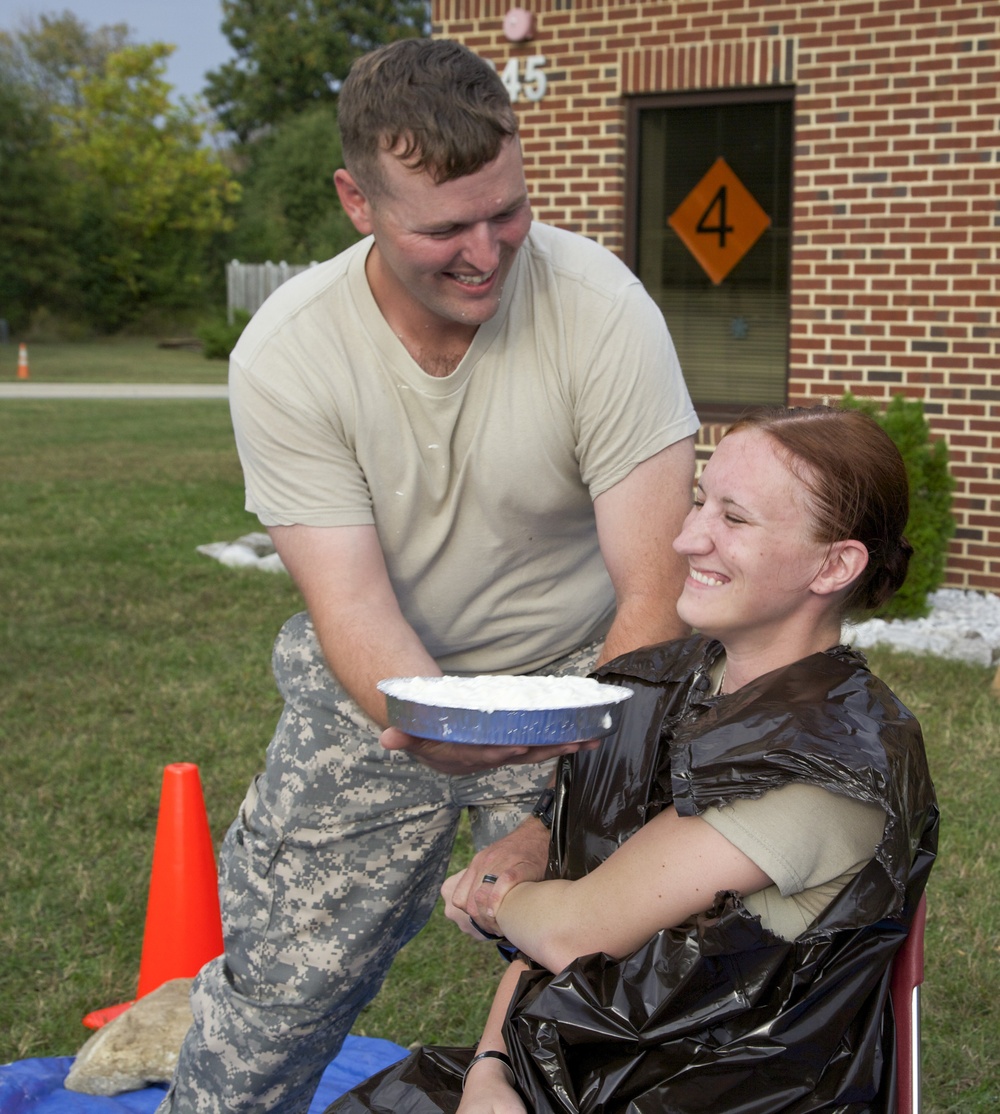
931	523
219	337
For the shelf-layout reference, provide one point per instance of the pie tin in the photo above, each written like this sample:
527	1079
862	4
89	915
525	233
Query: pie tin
506	726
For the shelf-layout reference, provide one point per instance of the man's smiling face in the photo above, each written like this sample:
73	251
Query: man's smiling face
443	251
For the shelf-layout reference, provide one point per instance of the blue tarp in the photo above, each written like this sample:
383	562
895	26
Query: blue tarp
36	1086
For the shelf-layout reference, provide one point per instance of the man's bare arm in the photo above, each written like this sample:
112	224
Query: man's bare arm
637	521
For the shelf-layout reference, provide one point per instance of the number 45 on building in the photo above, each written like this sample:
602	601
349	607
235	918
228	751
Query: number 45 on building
531	85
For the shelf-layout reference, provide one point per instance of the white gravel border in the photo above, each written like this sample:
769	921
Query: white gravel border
962	626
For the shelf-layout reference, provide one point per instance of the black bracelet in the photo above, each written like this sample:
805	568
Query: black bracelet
543	809
491	1054
483	932
507	950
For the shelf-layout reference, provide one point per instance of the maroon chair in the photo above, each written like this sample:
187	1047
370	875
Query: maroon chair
907	975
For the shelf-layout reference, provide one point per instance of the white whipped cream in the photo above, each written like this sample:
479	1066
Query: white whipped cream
499	692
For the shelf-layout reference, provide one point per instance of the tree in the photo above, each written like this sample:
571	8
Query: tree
48	55
140	198
147	186
37	264
290	210
292	53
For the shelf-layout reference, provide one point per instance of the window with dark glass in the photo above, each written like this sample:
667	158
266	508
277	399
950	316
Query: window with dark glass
714	163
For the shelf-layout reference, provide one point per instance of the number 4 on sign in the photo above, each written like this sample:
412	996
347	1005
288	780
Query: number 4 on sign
719	221
716	211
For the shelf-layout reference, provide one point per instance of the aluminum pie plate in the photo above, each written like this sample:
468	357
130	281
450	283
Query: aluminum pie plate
504	711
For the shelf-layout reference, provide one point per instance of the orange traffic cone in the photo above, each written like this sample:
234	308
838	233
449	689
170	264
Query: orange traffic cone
22	361
183	920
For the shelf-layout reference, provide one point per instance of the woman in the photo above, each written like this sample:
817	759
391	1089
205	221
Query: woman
730	876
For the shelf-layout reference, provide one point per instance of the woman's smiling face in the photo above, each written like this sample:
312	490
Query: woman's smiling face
749	542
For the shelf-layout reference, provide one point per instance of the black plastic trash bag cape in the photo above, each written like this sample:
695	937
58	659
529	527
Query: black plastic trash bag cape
718	1014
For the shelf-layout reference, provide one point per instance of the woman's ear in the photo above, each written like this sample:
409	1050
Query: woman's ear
355	203
845	562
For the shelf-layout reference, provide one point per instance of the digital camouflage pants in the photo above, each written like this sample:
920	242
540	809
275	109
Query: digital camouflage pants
332	865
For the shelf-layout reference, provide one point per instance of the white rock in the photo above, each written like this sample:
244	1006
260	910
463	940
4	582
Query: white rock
962	626
250	551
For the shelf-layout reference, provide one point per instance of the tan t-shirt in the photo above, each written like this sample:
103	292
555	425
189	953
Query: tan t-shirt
480	484
808	840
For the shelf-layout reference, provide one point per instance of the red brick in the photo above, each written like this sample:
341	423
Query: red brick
894	256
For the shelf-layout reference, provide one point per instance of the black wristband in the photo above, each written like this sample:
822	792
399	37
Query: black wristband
491	1054
543	809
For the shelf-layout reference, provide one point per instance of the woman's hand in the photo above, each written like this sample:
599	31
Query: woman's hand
519	857
488	1086
488	1091
456	913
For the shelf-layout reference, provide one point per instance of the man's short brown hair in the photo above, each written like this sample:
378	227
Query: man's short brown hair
432	102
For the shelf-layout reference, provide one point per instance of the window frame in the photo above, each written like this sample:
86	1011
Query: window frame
635	107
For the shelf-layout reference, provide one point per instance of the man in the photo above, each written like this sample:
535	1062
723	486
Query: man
470	440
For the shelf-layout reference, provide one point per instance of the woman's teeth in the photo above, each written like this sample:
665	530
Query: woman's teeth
704	578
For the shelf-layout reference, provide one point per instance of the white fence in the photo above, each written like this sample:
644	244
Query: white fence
249	284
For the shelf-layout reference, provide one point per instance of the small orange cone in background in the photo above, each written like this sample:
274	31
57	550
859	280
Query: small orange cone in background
183	919
22	362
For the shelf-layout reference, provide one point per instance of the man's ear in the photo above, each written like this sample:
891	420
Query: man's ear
844	563
355	203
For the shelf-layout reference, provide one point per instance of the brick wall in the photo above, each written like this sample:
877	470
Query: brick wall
895	196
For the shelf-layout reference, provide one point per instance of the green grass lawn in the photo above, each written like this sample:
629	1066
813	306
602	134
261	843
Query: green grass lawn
122	649
119	360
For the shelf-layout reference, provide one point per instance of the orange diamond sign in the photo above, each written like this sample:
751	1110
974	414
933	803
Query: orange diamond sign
719	221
